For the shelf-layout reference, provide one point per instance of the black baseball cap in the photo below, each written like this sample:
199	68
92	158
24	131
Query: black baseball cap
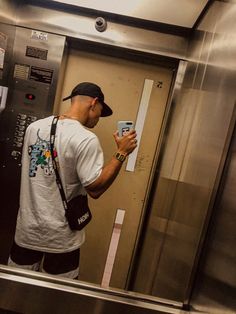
92	90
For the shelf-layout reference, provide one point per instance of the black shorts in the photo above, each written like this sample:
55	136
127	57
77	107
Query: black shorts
64	264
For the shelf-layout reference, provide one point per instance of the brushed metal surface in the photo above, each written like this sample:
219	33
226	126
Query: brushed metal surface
196	142
181	12
8	11
215	289
28	292
83	27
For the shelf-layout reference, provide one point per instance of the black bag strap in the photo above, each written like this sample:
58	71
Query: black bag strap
54	163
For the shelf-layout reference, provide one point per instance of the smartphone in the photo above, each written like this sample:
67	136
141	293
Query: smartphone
124	127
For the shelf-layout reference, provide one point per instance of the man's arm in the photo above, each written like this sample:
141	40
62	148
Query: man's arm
125	146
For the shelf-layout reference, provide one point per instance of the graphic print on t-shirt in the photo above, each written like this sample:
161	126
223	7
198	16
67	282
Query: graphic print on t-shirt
40	157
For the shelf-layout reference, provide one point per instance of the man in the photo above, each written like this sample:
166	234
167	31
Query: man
42	231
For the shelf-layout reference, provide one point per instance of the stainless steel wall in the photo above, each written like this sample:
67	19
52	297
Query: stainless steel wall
201	125
75	24
8	11
215	288
31	293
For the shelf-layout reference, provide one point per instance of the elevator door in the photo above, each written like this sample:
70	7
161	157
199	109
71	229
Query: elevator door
122	82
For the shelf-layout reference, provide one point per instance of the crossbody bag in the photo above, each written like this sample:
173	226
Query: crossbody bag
77	210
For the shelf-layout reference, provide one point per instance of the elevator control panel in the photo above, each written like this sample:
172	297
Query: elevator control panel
28	102
31	80
22	122
12	136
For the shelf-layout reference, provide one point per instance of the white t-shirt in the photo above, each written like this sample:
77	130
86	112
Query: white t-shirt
41	221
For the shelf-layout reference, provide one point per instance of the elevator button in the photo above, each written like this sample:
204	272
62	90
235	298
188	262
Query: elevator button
15	154
22	116
17	144
32	118
18	139
20	127
19	133
21	122
30	96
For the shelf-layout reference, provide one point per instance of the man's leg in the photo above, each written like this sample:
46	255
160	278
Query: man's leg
62	264
24	258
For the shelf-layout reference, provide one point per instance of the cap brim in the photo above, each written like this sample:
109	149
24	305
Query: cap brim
68	97
106	110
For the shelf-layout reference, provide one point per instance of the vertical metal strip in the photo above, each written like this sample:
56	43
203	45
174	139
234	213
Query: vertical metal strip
113	247
144	102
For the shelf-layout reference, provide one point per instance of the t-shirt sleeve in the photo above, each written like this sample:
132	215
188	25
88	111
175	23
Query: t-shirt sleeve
90	161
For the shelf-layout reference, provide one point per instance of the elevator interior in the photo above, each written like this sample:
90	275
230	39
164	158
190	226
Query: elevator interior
178	170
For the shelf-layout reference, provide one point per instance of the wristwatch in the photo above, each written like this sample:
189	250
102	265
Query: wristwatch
120	156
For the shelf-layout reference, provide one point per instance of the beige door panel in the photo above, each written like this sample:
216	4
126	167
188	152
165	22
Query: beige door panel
122	82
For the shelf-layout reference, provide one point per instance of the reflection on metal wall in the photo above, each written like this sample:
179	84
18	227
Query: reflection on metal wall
215	291
24	291
8	11
216	282
201	123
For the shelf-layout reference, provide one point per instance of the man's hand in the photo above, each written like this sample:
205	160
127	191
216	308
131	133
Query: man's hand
127	143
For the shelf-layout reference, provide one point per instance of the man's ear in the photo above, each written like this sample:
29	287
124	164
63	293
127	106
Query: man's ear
95	100
93	103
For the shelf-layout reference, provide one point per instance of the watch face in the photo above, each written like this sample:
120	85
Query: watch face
120	157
